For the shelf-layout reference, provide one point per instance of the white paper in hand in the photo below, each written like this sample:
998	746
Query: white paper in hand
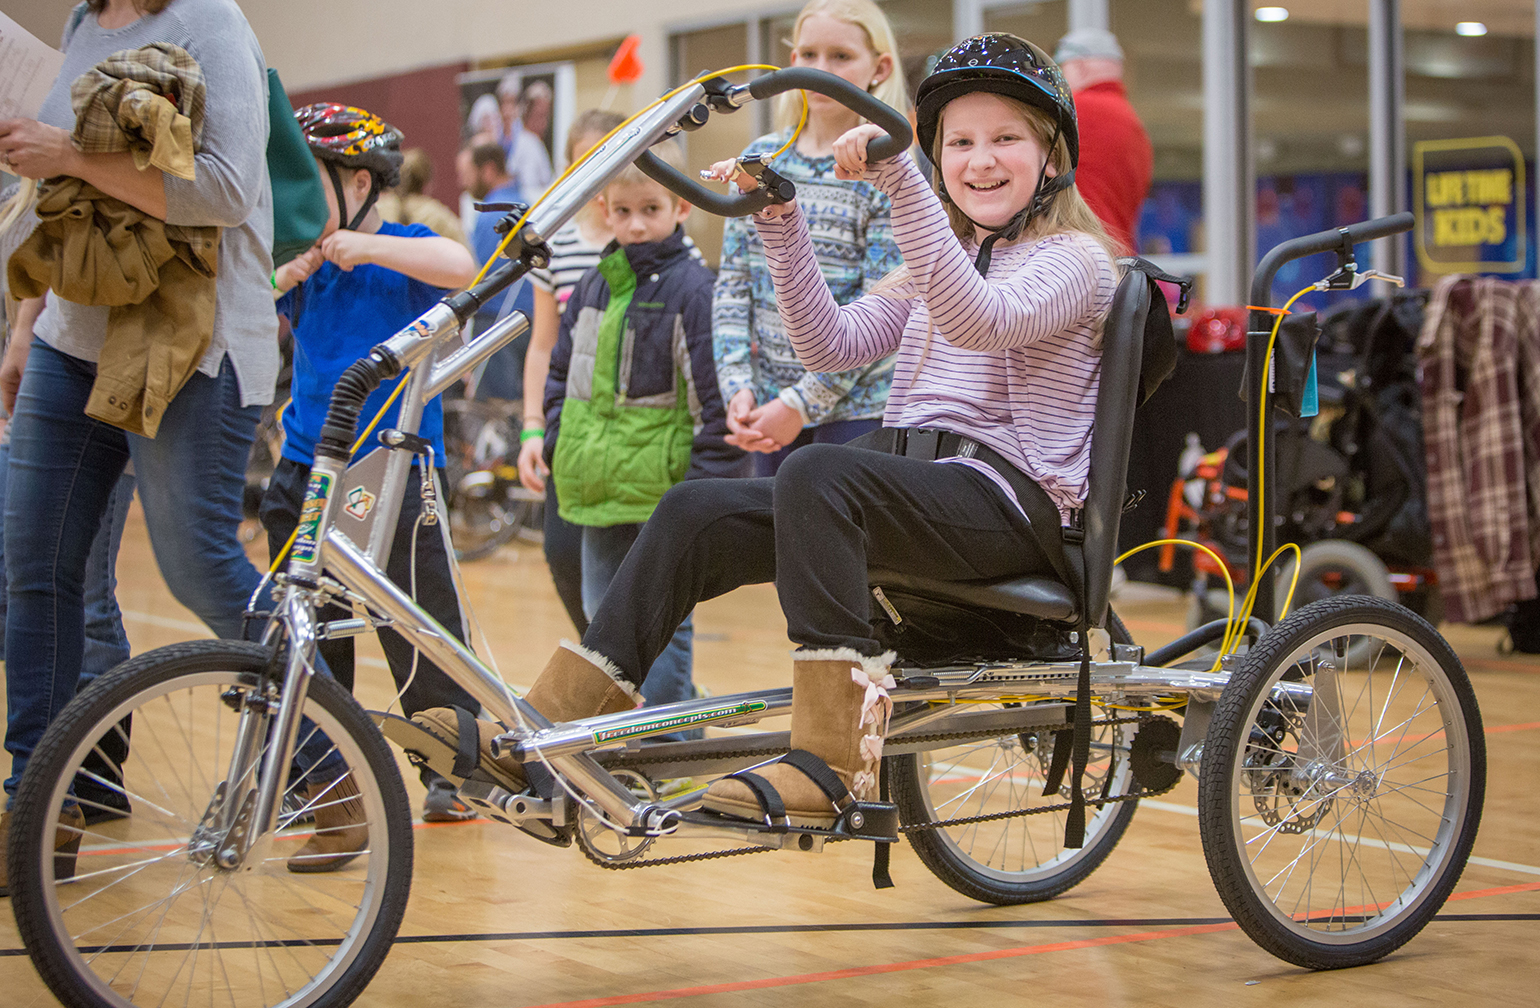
27	70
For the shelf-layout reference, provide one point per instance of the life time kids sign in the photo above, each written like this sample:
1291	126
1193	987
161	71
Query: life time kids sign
1469	203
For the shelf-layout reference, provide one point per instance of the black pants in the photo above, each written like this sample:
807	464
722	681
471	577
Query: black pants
564	555
814	528
435	590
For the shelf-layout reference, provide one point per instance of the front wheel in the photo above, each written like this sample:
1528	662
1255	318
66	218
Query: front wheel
152	912
1342	782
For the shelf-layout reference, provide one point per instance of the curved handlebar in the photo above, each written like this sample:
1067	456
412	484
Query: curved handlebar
1321	241
1262	532
899	137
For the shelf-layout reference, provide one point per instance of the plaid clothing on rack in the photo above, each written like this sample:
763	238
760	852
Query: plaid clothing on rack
1469	370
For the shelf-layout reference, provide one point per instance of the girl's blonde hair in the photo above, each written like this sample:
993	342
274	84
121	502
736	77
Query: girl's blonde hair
867	16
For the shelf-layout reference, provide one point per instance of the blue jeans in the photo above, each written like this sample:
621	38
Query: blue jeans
106	643
64	467
668	680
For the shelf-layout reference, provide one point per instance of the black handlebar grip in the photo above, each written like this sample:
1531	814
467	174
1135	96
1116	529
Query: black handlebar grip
1380	227
900	135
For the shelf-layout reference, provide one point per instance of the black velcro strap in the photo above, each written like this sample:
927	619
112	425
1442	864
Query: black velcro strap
881	879
819	773
769	799
468	751
1074	821
1058	765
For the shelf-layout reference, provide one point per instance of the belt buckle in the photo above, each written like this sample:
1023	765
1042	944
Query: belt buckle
923	443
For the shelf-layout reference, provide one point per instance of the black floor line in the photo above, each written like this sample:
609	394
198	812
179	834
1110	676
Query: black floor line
1125	922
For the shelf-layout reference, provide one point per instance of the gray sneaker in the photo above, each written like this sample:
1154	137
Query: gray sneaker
444	804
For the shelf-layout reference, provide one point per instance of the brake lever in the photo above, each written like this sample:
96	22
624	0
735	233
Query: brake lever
757	167
1360	279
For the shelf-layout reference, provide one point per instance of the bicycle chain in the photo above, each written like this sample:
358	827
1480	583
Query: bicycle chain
677	859
918	827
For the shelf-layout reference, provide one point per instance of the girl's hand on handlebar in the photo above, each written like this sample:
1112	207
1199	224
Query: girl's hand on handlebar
728	171
850	151
532	467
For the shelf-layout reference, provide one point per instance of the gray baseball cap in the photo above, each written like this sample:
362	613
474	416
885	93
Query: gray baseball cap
1088	43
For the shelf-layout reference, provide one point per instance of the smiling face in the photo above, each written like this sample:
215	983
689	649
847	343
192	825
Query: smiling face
841	48
990	157
637	212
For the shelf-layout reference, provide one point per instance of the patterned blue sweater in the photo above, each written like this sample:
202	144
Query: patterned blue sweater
853	239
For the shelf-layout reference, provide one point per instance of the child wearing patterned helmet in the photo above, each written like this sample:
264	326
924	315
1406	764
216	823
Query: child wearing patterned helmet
365	279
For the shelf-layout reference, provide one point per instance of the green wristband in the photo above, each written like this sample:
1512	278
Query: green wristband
531	433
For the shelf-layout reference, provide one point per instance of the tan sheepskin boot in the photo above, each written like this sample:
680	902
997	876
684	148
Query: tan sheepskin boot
577	683
839	713
341	828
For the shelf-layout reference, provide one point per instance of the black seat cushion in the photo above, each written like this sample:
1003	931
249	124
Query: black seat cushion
1029	595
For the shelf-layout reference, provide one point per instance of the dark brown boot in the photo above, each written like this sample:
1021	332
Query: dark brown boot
576	684
66	845
341	828
839	713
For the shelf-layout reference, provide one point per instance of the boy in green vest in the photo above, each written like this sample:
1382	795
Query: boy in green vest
632	404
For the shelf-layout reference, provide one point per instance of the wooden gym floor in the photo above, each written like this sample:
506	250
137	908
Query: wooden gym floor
499	919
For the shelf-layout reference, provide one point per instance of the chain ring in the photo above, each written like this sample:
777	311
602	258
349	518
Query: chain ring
601	843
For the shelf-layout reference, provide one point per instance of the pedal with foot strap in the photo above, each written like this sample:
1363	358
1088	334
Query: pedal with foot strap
854	819
483	785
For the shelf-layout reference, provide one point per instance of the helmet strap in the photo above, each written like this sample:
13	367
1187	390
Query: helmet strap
342	204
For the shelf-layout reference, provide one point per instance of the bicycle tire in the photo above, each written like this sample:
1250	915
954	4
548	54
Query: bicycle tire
1315	781
237	932
1017	860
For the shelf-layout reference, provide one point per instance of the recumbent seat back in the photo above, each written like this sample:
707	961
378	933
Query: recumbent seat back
1030	616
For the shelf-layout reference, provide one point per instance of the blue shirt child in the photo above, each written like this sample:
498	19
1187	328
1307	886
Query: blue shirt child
338	316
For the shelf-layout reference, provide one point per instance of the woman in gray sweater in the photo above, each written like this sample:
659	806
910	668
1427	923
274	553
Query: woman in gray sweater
64	464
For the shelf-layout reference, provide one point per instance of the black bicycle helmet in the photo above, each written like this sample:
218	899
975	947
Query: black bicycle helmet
1003	64
352	138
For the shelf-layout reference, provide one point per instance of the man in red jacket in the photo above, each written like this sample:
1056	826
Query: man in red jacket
1116	161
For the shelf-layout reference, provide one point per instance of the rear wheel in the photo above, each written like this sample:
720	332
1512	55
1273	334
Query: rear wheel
1342	782
147	915
1020	859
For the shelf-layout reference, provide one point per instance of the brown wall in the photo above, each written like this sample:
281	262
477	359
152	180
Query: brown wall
423	104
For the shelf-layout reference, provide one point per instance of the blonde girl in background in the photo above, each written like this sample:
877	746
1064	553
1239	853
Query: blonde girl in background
774	403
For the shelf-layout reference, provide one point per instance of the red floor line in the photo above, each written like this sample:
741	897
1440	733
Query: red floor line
1496	729
914	964
858	971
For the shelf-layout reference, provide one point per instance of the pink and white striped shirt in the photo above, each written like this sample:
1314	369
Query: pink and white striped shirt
1014	360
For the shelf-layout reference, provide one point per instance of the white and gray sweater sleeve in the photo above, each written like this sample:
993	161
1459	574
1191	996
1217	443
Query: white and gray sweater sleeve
232	164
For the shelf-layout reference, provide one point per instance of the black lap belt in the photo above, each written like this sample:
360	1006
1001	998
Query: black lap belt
1063	549
929	444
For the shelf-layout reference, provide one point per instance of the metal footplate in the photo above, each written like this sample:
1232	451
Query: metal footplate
860	820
